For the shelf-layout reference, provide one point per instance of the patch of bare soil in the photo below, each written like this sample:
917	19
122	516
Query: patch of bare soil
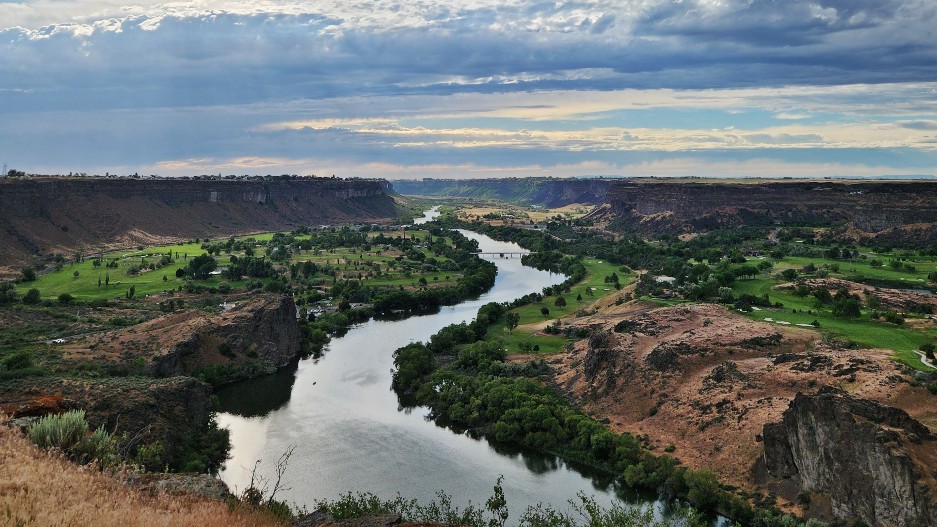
706	380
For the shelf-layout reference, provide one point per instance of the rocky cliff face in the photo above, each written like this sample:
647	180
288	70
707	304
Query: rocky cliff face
872	462
889	210
39	216
164	410
535	191
260	330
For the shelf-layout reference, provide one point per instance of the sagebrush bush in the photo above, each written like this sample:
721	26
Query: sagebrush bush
69	432
62	431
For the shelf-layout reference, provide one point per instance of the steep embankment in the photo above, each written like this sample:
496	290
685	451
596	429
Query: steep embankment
534	191
857	457
63	215
39	489
888	210
147	410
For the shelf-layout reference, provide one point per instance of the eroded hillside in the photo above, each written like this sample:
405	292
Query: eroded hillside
61	215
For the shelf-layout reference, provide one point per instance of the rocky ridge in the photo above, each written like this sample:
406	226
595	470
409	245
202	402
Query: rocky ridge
260	330
703	382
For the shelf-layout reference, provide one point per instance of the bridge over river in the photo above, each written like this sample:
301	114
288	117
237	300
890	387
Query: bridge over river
505	254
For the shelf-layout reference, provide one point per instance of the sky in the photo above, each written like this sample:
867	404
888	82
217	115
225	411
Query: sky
474	88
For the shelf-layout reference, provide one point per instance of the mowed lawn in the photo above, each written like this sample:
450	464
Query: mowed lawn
864	268
116	282
532	320
101	282
863	330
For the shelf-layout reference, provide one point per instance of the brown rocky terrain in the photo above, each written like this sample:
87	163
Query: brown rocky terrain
64	215
903	211
703	382
261	328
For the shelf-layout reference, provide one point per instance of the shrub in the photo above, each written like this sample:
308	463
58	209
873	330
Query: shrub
32	297
28	274
62	431
7	293
68	432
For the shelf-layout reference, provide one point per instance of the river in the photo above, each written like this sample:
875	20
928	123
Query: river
351	435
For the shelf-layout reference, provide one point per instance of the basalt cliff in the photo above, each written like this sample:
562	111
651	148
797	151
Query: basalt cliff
903	211
39	216
865	459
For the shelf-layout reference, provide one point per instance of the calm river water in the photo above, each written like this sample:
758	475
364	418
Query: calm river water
351	435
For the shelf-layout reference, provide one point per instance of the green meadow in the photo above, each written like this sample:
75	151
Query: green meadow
377	267
530	314
863	330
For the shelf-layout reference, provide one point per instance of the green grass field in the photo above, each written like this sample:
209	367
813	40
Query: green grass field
863	330
100	282
597	270
863	267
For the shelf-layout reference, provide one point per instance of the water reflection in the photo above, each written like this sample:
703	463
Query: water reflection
260	396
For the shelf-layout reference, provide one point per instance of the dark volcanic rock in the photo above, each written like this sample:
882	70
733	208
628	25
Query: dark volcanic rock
264	327
147	410
862	455
894	211
67	214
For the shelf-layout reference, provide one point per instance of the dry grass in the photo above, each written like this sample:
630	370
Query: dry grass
40	489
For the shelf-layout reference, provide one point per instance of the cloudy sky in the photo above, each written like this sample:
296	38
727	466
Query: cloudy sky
474	88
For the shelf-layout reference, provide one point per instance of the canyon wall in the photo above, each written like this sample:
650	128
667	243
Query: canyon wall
548	192
888	210
39	216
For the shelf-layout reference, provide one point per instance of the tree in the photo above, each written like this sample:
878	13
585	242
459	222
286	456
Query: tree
32	296
75	274
579	297
201	266
847	306
560	302
65	298
513	319
29	274
545	311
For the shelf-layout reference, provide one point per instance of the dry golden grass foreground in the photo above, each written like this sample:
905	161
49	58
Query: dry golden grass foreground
40	489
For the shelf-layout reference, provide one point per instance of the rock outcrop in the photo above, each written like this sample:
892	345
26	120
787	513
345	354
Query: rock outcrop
147	410
873	462
44	215
263	328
